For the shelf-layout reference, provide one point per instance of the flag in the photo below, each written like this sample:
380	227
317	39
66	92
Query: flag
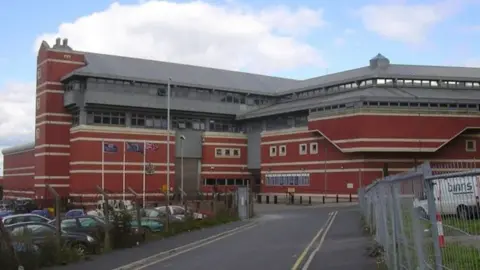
134	147
151	147
109	148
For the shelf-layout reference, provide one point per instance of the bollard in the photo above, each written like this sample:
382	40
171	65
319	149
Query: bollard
259	198
337	197
267	199
310	200
323	199
350	197
275	199
301	200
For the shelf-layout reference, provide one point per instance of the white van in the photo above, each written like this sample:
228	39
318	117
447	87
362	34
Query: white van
454	196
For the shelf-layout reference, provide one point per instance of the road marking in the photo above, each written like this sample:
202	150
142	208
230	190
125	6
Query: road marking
314	252
159	257
315	238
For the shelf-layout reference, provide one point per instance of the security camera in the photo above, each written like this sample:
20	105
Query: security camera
182	137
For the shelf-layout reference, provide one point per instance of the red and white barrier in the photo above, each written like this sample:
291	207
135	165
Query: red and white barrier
441	236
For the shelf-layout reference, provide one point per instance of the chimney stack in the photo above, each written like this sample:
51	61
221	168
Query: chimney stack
65	42
57	41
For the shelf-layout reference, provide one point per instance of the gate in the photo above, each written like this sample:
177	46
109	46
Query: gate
243	202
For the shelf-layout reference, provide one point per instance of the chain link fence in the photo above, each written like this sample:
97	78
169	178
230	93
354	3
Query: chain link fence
426	218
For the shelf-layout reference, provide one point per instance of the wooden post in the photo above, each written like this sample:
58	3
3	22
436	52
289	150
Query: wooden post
107	217
137	207
57	213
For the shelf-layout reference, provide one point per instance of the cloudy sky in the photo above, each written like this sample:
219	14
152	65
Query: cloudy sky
297	39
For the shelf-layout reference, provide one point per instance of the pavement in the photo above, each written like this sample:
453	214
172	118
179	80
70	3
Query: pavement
278	238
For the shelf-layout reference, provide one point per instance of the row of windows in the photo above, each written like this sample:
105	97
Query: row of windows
226	182
302	149
286	122
389	82
106	118
227	152
160	122
182	91
301	179
424	105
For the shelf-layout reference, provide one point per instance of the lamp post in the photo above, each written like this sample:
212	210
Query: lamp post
168	142
182	138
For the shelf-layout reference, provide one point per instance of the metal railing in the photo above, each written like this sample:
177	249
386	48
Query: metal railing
427	218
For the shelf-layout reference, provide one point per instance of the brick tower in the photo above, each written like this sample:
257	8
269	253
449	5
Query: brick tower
53	122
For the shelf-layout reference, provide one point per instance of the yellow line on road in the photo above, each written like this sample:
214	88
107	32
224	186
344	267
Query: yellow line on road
312	254
302	256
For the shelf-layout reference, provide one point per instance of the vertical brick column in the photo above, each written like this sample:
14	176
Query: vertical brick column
53	122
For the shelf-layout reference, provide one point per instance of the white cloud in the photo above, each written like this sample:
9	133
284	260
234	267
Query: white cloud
17	114
474	62
222	36
406	23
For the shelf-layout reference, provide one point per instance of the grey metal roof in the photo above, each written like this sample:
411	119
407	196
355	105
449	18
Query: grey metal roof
156	71
374	94
149	70
18	148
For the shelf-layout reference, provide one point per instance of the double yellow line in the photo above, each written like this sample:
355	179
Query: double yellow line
303	262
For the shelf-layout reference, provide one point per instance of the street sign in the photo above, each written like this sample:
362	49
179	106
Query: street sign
291	190
164	188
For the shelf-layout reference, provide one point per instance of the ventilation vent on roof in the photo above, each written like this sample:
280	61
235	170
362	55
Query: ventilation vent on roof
379	61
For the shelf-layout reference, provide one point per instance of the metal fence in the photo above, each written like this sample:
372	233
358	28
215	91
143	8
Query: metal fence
427	218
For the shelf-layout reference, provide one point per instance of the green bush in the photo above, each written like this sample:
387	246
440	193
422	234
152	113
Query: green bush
50	253
121	234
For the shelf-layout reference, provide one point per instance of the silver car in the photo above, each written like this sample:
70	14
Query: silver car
20	218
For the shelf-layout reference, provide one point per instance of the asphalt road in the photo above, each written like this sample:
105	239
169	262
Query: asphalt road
277	239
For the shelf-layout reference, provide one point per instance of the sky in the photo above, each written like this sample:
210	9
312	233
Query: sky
297	39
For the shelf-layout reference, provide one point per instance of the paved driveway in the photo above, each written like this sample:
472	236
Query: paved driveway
281	238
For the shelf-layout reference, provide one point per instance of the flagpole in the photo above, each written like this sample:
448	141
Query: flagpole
144	160
103	167
124	158
168	141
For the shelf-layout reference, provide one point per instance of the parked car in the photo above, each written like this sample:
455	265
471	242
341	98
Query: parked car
43	212
91	225
24	205
20	218
75	213
160	214
149	225
180	212
41	233
6	213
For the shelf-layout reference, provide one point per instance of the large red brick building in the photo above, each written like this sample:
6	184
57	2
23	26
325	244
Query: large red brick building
101	121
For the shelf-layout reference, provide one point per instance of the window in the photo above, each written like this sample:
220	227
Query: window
38	103
40	230
300	179
37	133
314	148
302	149
39	74
36	219
87	222
273	151
106	118
75	119
470	145
227	152
283	150
68	223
